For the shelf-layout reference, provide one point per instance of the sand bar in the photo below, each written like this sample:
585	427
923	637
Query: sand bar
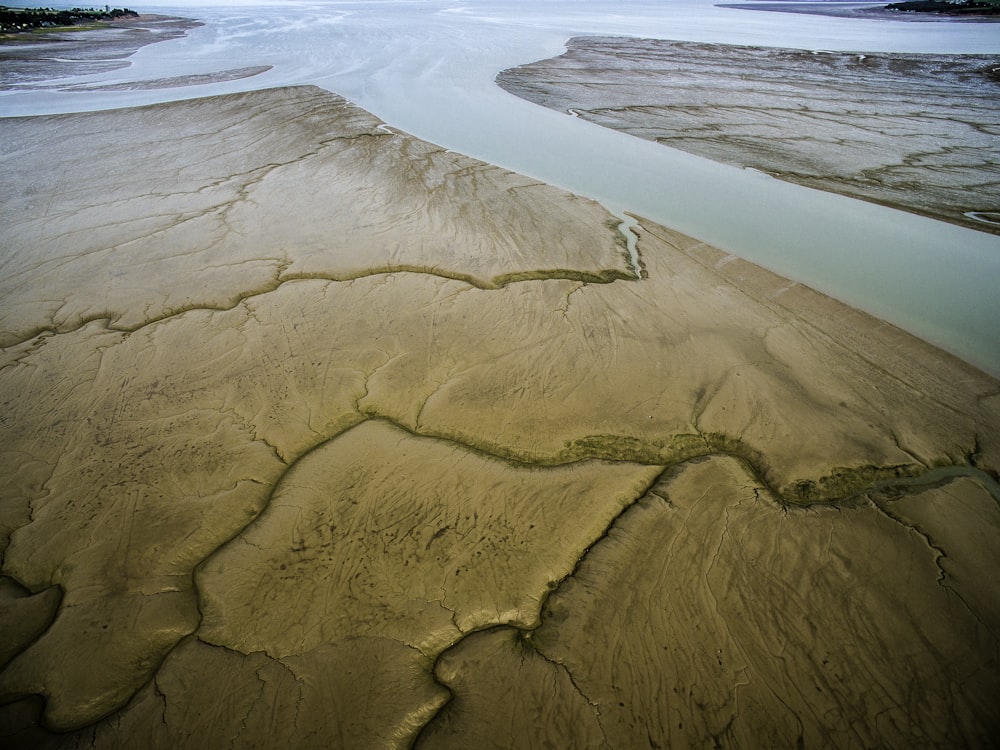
917	132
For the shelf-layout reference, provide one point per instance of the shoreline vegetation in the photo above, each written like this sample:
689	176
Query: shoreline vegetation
26	20
949	7
40	50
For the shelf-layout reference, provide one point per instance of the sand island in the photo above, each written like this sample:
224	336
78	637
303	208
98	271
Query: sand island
315	434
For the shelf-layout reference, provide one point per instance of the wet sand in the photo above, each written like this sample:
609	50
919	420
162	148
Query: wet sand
318	435
912	131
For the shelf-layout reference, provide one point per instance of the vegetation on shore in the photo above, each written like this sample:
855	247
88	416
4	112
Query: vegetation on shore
29	19
949	7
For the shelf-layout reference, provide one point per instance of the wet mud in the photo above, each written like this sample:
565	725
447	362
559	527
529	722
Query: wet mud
314	434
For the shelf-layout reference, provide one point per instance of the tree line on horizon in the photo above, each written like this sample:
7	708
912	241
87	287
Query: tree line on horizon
949	7
26	19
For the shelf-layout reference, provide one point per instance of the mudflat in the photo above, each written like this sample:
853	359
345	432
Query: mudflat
918	132
40	56
318	435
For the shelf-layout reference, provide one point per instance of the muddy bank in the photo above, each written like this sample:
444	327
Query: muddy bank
916	132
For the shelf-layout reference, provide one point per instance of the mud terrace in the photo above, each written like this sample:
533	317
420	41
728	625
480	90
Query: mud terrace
916	132
314	434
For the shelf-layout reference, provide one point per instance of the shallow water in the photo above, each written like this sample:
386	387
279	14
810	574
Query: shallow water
429	67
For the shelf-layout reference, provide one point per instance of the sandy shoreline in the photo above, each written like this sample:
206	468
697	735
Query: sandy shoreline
383	443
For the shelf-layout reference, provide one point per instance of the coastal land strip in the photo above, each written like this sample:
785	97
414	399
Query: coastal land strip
918	11
30	58
315	434
41	58
917	132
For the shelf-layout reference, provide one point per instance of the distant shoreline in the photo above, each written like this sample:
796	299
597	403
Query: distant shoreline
873	11
33	20
48	53
968	8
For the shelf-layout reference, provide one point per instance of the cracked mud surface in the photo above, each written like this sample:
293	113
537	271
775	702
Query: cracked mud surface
917	132
317	435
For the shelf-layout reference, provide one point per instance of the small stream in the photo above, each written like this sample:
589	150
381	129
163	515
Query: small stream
940	476
627	228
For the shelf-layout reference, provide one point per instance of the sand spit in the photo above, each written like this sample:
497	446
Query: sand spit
233	74
317	435
912	131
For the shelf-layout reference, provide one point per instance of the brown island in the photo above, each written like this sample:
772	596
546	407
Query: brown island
314	434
